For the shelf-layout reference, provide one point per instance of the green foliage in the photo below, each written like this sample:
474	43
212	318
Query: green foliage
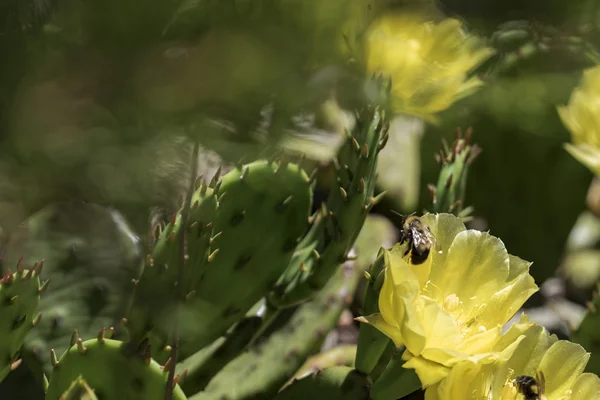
335	383
264	367
20	294
371	342
90	256
586	334
114	369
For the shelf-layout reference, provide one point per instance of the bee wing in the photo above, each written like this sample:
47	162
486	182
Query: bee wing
419	237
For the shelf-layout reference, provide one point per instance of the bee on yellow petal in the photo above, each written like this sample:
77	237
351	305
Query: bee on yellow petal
419	238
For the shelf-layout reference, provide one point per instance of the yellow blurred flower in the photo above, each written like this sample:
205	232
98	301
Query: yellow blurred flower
454	305
582	117
428	62
538	363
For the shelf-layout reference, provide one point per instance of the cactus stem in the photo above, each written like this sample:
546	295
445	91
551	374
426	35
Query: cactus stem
101	334
361	185
74	337
212	255
36	320
190	295
343	194
16	364
53	359
365	151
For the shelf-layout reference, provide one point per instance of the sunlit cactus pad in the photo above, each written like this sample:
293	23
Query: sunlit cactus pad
113	369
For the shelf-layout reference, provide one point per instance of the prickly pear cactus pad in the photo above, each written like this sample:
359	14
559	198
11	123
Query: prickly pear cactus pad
19	299
112	368
243	229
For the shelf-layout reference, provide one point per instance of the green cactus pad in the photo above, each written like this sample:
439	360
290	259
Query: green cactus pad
334	383
260	371
338	223
19	299
79	390
449	193
112	368
243	230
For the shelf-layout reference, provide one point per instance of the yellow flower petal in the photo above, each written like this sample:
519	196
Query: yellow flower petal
390	331
563	363
587	386
476	267
429	372
429	63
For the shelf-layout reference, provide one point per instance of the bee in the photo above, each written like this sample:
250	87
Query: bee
531	388
418	236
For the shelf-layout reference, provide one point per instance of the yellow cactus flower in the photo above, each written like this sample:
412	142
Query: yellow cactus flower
428	62
538	364
582	117
453	306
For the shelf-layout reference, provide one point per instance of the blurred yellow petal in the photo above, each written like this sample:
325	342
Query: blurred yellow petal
586	154
587	386
429	62
563	362
582	118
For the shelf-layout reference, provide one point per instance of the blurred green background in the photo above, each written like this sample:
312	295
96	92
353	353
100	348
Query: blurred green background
99	101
